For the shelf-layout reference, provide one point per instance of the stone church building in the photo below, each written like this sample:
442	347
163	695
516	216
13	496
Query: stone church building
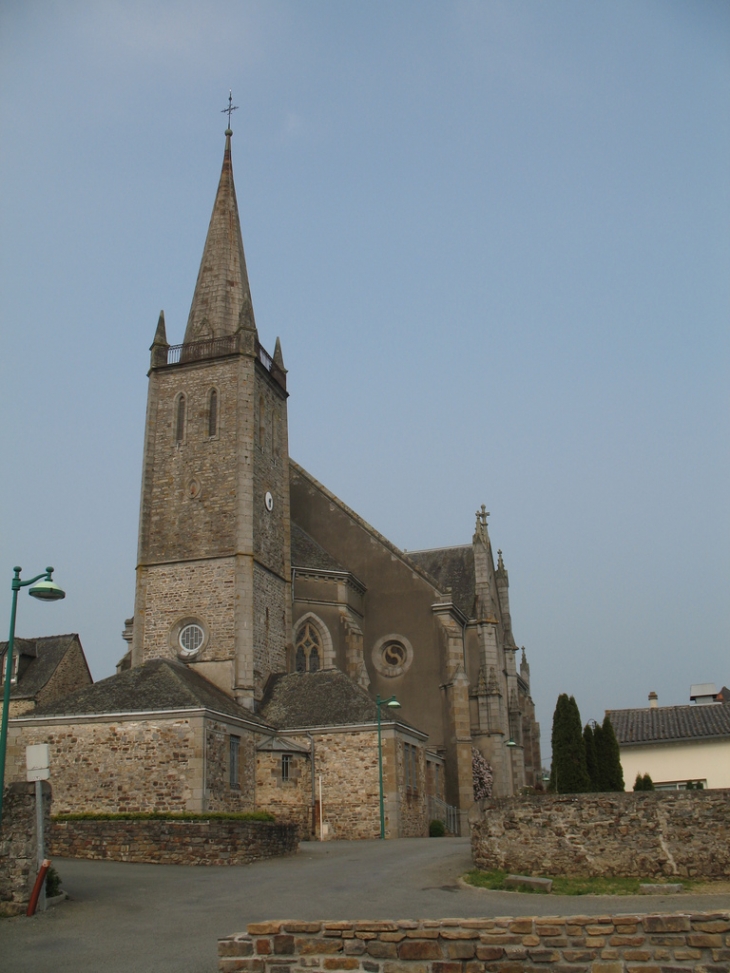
265	602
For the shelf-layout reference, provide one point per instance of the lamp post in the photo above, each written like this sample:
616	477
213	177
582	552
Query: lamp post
47	590
393	704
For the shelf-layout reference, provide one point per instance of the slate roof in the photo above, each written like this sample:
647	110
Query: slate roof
157	685
47	653
326	698
307	553
451	567
670	724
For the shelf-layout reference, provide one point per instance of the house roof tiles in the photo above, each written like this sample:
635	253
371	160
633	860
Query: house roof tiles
670	724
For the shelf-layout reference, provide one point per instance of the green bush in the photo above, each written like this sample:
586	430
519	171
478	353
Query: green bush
53	882
436	829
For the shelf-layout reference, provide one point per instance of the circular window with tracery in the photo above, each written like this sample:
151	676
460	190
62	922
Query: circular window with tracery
392	655
191	639
188	637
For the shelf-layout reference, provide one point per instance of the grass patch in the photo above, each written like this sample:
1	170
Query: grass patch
166	816
576	885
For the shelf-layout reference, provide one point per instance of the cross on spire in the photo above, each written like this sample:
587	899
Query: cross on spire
229	111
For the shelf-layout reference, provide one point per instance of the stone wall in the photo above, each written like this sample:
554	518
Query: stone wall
133	765
599	944
683	833
18	850
217	841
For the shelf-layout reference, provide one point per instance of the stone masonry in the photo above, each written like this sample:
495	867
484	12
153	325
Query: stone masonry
651	834
216	841
595	944
18	849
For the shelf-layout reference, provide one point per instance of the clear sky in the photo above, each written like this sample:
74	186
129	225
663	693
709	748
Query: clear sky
493	238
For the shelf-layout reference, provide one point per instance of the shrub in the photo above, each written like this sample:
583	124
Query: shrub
436	829
53	882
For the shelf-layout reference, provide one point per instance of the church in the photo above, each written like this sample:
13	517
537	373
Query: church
289	626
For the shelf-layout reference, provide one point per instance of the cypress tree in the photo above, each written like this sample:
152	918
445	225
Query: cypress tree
599	741
568	774
591	758
611	771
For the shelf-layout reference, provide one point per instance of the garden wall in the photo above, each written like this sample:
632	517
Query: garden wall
18	848
646	834
599	944
214	841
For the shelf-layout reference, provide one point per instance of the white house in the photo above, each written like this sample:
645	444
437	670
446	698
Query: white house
677	744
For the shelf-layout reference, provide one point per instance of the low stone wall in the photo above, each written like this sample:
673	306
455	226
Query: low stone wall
646	834
18	852
215	841
599	944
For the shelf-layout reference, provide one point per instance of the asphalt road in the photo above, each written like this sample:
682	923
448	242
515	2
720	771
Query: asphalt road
126	918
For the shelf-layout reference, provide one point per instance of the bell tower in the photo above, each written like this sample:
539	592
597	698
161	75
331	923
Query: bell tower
213	582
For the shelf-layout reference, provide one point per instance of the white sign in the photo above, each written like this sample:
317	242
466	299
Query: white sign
37	761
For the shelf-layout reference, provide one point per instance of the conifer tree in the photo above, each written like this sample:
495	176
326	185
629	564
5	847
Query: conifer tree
609	759
598	740
591	758
568	774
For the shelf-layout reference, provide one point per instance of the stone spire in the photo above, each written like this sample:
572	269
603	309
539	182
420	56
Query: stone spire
160	344
222	299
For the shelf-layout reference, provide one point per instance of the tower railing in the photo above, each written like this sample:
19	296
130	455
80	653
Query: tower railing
210	348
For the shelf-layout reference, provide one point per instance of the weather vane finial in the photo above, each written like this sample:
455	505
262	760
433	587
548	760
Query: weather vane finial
229	111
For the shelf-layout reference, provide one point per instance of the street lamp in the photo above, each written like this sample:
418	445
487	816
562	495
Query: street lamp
46	589
393	704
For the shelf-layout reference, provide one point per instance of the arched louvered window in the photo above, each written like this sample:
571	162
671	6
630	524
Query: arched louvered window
262	421
213	413
180	419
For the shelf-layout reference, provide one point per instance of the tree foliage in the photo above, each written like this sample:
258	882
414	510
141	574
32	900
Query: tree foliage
589	742
644	783
611	772
568	774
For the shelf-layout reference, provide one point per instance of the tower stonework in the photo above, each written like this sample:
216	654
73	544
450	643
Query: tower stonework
214	575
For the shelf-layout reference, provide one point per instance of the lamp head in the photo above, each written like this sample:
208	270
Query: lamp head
393	703
510	743
46	589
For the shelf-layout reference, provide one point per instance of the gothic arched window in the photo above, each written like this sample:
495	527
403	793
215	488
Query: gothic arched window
309	648
180	419
213	413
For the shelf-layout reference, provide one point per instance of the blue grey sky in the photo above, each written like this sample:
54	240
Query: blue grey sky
493	238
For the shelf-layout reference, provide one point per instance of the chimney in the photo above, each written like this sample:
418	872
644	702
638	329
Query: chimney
653	700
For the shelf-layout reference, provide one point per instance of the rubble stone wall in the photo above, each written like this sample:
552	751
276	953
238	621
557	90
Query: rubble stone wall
650	834
18	851
598	944
216	841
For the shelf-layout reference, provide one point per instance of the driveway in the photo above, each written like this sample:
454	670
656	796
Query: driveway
128	918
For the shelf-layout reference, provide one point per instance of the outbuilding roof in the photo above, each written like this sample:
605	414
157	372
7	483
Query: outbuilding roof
157	685
670	724
43	658
307	553
298	700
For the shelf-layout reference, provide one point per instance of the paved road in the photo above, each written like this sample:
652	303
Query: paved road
126	918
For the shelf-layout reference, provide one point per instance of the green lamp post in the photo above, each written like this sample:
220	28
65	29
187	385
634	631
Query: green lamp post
393	704
45	588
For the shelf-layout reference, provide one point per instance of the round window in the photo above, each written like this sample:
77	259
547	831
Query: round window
392	655
191	638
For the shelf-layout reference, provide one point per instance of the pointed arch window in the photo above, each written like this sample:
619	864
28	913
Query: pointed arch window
213	413
309	649
180	419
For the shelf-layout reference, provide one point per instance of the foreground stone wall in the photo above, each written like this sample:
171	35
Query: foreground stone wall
216	841
600	944
654	834
18	850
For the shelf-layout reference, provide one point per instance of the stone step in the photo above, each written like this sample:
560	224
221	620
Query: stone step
539	884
